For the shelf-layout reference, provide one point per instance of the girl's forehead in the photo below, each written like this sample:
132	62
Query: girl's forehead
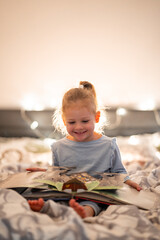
80	105
78	114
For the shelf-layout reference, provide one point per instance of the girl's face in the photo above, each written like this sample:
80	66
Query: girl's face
80	122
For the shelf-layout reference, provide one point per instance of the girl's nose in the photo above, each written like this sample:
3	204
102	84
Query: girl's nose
78	126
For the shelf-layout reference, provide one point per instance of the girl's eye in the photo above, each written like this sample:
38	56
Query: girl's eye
71	122
85	121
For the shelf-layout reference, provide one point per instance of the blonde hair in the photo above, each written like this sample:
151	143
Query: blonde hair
85	93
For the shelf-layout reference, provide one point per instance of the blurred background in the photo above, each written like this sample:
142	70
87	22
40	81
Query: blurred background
48	46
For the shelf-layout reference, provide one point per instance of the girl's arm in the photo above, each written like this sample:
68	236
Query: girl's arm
133	184
118	166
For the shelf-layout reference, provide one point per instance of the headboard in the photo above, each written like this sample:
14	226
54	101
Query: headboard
17	123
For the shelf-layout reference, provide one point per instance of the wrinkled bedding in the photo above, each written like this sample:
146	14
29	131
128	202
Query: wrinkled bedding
17	221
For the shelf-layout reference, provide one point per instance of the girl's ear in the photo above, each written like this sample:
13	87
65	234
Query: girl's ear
98	114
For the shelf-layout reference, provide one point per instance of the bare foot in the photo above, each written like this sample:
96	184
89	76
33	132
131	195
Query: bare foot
83	211
36	205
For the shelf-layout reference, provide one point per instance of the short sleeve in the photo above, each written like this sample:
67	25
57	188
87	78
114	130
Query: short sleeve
116	162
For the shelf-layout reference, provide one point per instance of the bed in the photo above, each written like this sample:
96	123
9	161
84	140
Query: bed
141	157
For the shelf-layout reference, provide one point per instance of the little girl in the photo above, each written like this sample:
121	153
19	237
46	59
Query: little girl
83	148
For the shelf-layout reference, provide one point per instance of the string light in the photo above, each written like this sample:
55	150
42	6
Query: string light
30	103
49	141
147	105
34	125
133	140
121	111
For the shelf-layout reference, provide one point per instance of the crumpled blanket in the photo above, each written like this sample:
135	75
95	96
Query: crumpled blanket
18	221
148	179
123	222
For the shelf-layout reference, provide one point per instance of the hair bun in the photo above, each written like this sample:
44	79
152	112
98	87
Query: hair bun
85	84
88	86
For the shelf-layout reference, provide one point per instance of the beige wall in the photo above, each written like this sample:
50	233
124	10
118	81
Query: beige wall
47	46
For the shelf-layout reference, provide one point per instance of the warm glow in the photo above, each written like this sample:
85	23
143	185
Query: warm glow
158	154
129	157
149	104
133	140
49	141
30	102
121	111
34	125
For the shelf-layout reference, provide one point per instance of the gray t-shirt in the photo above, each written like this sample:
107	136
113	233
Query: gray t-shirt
101	155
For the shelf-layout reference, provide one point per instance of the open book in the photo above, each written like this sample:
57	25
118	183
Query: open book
57	184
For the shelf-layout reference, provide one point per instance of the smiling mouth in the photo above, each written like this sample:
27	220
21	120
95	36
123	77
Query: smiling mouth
80	133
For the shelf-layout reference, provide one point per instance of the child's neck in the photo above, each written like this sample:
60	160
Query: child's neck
95	137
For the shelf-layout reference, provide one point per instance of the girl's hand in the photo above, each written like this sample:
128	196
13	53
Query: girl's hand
133	184
35	169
